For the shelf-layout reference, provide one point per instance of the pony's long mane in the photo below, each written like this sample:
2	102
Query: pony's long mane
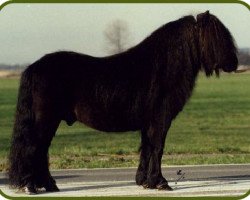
216	44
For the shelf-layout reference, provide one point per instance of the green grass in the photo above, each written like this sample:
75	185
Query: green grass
213	128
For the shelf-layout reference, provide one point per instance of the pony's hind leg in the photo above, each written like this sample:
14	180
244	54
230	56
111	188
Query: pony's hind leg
45	127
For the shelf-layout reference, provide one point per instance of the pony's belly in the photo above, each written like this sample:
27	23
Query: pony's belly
107	122
108	125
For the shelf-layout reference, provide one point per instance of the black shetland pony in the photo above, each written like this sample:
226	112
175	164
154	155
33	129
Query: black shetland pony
143	88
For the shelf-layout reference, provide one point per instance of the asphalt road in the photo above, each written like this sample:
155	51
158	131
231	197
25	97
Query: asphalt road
209	180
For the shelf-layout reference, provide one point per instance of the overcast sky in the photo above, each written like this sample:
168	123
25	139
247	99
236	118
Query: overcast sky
28	31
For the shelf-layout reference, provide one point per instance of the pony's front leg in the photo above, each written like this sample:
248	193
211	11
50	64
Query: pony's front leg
156	133
145	150
155	178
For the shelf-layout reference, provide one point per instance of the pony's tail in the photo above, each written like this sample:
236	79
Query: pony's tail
22	144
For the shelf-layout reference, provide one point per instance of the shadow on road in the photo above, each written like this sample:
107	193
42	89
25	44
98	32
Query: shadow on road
4	181
93	187
228	178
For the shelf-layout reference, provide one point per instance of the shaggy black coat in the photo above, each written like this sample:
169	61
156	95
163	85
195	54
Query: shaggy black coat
143	88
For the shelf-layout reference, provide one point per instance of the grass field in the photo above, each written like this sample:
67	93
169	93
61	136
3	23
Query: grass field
213	128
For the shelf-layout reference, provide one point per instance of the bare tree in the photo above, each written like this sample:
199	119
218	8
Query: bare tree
117	35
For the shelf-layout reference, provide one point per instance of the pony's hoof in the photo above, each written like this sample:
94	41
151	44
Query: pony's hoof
145	186
30	190
52	188
161	185
164	186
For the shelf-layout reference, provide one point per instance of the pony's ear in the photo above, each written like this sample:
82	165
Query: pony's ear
203	18
206	16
